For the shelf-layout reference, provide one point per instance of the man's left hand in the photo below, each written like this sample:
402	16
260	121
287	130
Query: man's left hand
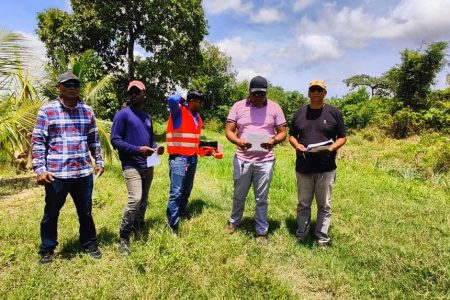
269	145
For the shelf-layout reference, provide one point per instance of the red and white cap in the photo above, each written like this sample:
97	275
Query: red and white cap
137	84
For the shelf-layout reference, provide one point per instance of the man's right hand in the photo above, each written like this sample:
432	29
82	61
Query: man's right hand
243	144
300	148
146	150
45	178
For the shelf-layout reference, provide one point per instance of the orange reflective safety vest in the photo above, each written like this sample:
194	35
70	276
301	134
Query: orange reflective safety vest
184	140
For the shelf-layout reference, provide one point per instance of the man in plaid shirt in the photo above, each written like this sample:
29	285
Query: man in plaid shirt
64	137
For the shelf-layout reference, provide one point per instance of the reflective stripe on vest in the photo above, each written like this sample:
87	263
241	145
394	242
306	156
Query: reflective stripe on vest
181	144
185	139
182	135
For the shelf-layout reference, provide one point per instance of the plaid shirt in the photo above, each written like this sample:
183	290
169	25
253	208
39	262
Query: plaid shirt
63	138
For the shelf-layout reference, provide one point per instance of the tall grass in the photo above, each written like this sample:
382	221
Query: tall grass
391	240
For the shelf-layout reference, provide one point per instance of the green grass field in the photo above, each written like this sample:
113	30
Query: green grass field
390	238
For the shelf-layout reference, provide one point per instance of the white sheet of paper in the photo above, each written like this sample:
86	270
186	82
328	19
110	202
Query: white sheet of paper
256	139
319	146
153	160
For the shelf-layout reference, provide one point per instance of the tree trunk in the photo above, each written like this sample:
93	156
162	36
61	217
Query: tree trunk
131	53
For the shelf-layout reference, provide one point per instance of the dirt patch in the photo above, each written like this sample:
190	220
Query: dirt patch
23	194
20	181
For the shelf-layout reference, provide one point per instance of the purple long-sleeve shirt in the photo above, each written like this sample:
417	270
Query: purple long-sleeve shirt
132	129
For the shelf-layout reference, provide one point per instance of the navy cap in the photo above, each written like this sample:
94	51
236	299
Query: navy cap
258	84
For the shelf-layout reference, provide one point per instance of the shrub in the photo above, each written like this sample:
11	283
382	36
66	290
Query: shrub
404	123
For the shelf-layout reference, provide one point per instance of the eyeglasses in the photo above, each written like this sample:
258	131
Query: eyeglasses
71	84
316	89
259	94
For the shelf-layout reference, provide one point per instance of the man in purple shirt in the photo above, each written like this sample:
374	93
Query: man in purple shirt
64	137
255	125
132	135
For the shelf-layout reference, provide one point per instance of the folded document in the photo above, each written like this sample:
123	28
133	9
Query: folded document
317	147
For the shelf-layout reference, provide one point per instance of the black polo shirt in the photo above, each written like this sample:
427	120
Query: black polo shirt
310	126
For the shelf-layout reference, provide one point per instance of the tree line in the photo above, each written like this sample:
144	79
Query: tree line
97	42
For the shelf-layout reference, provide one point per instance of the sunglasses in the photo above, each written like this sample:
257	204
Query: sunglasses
316	89
259	94
71	84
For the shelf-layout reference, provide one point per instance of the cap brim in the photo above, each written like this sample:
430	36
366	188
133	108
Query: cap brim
258	90
70	79
318	86
135	86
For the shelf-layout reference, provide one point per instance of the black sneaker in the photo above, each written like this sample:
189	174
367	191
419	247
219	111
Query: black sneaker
93	251
46	257
124	246
174	230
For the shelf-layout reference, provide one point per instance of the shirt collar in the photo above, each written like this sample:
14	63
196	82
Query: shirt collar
76	106
250	103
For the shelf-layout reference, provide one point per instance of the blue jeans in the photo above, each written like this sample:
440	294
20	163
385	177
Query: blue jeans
181	171
55	196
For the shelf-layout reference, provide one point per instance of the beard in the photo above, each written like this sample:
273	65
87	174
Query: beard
136	102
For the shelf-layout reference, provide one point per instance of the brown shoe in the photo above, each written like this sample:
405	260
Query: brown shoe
230	229
262	239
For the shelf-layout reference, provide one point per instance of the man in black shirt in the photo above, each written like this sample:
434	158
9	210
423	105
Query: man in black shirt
317	131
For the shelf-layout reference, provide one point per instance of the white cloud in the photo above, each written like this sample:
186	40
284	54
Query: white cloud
262	15
300	5
417	20
261	69
318	47
309	48
355	27
216	7
246	74
267	15
235	48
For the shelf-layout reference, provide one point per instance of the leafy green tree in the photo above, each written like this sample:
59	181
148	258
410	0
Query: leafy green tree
97	87
216	79
170	31
378	85
359	110
289	101
413	78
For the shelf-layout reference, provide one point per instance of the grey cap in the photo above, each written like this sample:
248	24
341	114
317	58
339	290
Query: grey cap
64	77
258	84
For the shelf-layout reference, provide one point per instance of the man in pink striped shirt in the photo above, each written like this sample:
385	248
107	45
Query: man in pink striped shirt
255	125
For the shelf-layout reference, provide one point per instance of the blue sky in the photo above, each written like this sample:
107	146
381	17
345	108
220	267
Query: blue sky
291	42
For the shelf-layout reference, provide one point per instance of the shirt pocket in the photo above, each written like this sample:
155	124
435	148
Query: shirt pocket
328	127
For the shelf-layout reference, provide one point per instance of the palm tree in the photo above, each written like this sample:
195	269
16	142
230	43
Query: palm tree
20	101
94	87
